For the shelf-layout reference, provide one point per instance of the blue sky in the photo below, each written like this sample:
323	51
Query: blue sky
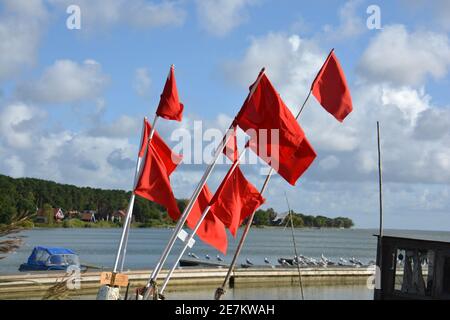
72	100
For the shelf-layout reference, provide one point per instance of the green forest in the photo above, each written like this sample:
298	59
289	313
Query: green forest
24	196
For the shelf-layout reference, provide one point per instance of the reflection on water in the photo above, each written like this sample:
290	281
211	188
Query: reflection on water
254	292
325	292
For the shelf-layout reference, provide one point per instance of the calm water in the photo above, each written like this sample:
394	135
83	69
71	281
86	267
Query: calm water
98	246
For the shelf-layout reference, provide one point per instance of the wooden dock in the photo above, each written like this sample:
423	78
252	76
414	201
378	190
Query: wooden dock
34	285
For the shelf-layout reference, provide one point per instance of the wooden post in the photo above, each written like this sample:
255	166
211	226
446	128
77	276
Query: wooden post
379	263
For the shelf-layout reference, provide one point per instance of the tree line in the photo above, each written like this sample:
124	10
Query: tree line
270	217
24	196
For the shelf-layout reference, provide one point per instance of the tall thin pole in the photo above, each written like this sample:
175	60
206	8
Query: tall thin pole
136	176
379	263
221	290
129	212
191	236
291	215
151	285
380	179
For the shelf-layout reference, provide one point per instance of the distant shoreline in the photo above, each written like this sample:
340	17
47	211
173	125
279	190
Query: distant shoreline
100	225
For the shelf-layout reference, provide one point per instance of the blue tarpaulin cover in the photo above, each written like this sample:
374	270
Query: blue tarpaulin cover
49	250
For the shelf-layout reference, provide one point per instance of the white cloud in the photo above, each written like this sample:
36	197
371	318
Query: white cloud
101	15
281	55
401	57
22	23
220	17
16	124
66	81
411	102
329	163
440	10
123	127
16	167
433	124
350	23
28	148
142	81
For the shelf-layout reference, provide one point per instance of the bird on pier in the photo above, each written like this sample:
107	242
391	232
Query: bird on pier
248	261
207	257
219	258
283	262
193	255
266	261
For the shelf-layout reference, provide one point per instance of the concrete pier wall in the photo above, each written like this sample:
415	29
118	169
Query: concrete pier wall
34	285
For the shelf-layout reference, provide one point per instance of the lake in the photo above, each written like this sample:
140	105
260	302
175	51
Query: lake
98	247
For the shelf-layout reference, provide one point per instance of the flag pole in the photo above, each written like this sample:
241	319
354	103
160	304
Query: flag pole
129	210
128	219
191	236
291	216
380	237
151	284
221	290
136	176
121	251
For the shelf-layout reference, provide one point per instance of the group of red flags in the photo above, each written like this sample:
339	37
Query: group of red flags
236	198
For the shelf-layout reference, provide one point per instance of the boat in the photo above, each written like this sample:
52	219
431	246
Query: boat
50	258
201	263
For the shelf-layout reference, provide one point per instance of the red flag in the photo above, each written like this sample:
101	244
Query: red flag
144	141
169	106
231	149
170	159
212	230
235	199
266	112
154	183
331	90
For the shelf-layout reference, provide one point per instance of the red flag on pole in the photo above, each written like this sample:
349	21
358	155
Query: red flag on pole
331	90
169	106
154	182
144	141
282	146
231	149
235	200
212	230
160	162
170	159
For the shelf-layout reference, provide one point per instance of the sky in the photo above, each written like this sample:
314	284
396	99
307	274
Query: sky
72	100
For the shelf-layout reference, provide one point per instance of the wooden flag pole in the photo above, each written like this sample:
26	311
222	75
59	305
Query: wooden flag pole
151	285
221	290
291	216
380	179
380	236
191	236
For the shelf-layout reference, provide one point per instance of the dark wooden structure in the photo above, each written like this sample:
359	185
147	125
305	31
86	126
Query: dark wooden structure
413	269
